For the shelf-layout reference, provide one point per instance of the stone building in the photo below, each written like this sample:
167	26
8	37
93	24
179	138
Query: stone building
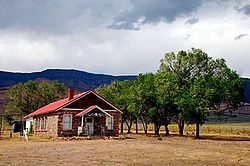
86	113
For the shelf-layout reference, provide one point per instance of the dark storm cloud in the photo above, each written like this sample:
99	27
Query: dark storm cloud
40	34
55	16
192	21
240	36
148	11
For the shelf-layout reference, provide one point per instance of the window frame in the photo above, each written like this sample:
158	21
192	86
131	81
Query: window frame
71	121
46	122
110	125
38	124
41	123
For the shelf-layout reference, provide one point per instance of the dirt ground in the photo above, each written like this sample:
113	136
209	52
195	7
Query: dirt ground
138	150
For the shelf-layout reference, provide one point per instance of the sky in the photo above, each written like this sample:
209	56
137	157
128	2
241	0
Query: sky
120	37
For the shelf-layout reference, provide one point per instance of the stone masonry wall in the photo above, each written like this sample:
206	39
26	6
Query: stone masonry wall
115	131
55	124
76	121
52	123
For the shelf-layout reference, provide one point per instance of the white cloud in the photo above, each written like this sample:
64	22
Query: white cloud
85	43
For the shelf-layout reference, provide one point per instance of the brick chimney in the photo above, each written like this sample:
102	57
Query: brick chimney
70	93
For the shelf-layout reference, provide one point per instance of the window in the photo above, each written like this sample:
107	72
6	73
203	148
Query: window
41	123
44	121
37	123
67	122
109	122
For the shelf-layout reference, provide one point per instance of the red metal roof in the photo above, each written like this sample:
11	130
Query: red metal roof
55	105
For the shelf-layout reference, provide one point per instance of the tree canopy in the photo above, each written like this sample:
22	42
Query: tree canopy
27	97
186	87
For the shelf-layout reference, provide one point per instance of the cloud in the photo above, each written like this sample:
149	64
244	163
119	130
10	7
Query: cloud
151	12
37	35
240	36
192	21
245	9
187	36
57	16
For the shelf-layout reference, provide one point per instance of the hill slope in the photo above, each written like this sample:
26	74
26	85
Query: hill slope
76	79
72	78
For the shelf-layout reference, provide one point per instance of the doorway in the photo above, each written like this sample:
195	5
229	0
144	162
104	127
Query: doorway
89	124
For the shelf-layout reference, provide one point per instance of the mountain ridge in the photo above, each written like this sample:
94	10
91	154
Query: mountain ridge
81	80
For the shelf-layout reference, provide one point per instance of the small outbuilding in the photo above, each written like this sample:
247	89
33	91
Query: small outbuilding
86	113
16	126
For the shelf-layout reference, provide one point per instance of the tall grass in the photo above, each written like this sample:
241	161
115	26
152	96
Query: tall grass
225	128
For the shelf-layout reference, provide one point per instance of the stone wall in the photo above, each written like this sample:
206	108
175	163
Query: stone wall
55	124
76	121
115	131
52	124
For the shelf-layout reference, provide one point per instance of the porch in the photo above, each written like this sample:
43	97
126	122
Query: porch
95	121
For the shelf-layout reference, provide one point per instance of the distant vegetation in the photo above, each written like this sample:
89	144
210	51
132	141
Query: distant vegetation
186	87
27	97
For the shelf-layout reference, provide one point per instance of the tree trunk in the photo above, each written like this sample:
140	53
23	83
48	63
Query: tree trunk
197	130
181	127
22	127
157	129
122	124
129	128
155	125
130	124
145	125
166	129
136	126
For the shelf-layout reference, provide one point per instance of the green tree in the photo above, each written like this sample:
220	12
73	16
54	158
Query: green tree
179	68
143	98
118	93
27	97
202	84
166	94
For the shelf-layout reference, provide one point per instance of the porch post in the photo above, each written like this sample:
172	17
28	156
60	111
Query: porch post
82	121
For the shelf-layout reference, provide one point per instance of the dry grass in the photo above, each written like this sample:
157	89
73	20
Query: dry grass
224	129
139	150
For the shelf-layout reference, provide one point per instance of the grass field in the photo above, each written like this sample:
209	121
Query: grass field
220	144
138	150
224	129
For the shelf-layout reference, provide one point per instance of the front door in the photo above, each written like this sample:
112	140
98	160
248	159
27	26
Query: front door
89	123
